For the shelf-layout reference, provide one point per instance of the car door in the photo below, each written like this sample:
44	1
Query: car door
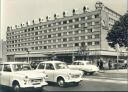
49	70
5	76
1	68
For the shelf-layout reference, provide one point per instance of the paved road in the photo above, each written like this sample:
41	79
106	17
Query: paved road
97	82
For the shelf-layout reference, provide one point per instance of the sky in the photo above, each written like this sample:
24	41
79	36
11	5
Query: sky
15	12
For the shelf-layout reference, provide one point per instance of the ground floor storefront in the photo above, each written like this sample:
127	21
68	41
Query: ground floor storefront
69	57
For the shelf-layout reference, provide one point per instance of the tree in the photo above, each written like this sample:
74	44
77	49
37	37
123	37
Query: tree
119	33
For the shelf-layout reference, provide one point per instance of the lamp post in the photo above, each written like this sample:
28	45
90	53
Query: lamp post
27	50
118	51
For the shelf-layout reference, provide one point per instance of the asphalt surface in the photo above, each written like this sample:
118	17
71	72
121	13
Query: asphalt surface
96	82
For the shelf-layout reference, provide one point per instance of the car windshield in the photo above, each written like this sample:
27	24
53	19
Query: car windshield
61	66
21	67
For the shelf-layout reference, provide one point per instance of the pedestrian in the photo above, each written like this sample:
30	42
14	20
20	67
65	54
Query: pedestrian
101	64
110	64
98	63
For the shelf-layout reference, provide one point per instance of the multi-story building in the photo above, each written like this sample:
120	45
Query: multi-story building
3	50
64	37
0	50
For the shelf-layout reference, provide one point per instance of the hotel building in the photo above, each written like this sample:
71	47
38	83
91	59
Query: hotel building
66	38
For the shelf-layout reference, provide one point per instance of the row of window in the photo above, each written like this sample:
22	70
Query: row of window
55	29
56	46
63	22
51	35
95	36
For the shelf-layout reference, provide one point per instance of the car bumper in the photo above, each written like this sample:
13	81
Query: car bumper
73	80
34	86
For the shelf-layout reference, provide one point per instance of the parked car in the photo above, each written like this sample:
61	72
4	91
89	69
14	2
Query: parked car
19	75
59	72
121	64
84	66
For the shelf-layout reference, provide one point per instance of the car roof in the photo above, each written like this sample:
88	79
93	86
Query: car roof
13	63
52	62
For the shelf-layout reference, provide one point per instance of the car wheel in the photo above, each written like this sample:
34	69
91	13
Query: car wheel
16	87
61	82
91	73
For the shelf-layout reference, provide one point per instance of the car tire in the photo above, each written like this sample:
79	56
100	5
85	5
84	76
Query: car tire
91	73
61	82
16	87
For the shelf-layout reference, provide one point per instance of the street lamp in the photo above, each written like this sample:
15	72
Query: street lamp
27	50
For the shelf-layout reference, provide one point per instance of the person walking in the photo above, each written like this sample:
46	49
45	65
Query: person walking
110	64
98	63
101	64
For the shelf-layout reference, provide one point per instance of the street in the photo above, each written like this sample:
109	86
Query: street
103	81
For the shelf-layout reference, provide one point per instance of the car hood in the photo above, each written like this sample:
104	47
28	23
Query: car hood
31	74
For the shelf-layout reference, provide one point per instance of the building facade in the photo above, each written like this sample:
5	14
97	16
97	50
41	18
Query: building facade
68	38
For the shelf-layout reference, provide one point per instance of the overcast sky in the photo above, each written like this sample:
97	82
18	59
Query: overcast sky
19	11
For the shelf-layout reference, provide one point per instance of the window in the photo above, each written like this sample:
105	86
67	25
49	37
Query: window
64	39
97	43
45	47
97	16
59	28
49	25
1	67
64	33
82	37
36	33
76	38
89	23
49	36
59	46
76	19
64	22
49	66
70	39
89	17
82	18
7	68
41	66
89	30
76	32
76	26
70	21
97	36
76	44
89	36
89	43
70	27
65	27
64	45
59	34
45	31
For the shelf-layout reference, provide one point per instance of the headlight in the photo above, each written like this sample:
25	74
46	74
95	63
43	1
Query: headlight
26	80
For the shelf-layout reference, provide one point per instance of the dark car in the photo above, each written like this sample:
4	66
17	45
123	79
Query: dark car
34	64
121	64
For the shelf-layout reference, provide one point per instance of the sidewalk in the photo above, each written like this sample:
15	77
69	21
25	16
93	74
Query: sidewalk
114	71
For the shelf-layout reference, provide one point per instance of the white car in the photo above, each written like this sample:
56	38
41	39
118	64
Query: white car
19	75
84	66
59	72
